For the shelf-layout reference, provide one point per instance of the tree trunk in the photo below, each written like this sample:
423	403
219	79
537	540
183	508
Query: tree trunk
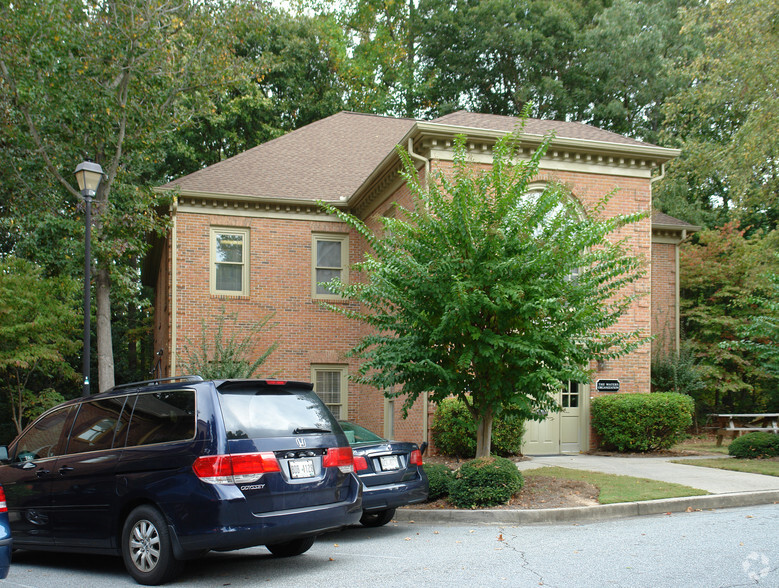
105	352
484	434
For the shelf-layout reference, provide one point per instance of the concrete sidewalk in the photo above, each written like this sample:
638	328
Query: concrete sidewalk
726	488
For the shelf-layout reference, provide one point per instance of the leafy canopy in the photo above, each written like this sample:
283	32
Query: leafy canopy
39	322
488	293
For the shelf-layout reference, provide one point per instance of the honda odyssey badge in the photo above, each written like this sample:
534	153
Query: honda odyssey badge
300	441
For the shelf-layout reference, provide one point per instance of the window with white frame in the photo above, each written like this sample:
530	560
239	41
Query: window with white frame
330	386
329	260
230	261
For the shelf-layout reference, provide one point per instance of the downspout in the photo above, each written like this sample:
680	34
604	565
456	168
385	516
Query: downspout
678	309
173	286
426	404
424	160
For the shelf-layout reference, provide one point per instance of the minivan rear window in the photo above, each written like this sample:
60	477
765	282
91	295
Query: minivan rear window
252	413
162	417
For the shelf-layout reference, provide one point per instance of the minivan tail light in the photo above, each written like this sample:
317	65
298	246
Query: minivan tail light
340	457
3	505
241	468
415	458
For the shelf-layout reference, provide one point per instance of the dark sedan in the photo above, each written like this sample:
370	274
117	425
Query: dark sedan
391	473
5	537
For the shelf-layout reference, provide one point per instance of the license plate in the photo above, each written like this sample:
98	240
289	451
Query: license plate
301	468
389	462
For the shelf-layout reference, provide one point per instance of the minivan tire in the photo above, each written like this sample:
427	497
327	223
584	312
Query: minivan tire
146	547
290	548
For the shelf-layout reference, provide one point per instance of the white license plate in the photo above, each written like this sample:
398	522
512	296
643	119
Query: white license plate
301	468
389	462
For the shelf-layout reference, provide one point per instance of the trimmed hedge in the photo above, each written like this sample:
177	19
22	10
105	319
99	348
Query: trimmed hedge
755	445
641	422
487	481
454	431
440	479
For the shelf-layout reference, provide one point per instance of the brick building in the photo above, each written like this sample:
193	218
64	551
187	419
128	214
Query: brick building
248	237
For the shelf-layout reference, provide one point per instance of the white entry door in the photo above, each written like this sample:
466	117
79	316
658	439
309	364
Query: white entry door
559	432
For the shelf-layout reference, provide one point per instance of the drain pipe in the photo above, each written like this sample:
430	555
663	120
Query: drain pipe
418	157
426	404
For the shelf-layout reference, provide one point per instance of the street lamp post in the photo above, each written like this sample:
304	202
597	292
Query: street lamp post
88	175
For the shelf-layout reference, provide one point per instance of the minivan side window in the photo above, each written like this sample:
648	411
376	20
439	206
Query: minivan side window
44	438
96	424
162	417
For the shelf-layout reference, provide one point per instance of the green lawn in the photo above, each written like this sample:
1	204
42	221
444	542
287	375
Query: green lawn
704	444
615	488
752	466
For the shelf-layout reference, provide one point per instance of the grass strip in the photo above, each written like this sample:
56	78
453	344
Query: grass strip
705	445
614	488
750	466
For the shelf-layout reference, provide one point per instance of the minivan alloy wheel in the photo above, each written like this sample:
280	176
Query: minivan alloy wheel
145	545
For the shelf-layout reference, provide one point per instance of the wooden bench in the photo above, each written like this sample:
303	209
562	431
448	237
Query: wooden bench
741	424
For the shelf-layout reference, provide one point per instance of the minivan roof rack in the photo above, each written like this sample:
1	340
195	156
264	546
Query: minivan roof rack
183	379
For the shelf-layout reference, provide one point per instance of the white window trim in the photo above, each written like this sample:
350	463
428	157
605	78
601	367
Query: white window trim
344	374
335	237
246	260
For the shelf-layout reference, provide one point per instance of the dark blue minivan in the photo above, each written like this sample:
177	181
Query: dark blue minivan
164	471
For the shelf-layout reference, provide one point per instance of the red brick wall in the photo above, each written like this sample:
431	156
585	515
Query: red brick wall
280	283
664	297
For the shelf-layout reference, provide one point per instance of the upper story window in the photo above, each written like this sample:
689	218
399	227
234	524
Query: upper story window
230	261
329	260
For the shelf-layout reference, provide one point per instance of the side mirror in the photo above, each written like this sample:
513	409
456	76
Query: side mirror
423	447
3	453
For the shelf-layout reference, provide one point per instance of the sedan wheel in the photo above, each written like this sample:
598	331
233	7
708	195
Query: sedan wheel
378	518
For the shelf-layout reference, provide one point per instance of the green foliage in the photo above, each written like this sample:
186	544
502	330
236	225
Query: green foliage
629	65
497	56
39	322
109	81
641	422
760	334
679	373
487	481
223	350
440	479
755	445
723	281
470	294
726	116
454	431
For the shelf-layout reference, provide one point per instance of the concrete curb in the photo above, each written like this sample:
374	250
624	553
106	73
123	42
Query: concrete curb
584	513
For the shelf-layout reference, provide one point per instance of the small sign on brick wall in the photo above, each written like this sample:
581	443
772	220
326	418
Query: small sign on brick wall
607	385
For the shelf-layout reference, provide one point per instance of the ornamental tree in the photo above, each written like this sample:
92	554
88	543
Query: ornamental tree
39	321
488	292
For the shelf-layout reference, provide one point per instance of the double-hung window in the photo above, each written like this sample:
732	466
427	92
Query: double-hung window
330	385
329	260
230	261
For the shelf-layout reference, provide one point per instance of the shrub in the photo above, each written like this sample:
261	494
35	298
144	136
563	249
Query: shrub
754	445
440	478
487	481
641	422
454	431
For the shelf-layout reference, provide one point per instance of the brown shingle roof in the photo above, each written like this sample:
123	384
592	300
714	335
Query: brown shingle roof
332	158
325	160
660	219
534	126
